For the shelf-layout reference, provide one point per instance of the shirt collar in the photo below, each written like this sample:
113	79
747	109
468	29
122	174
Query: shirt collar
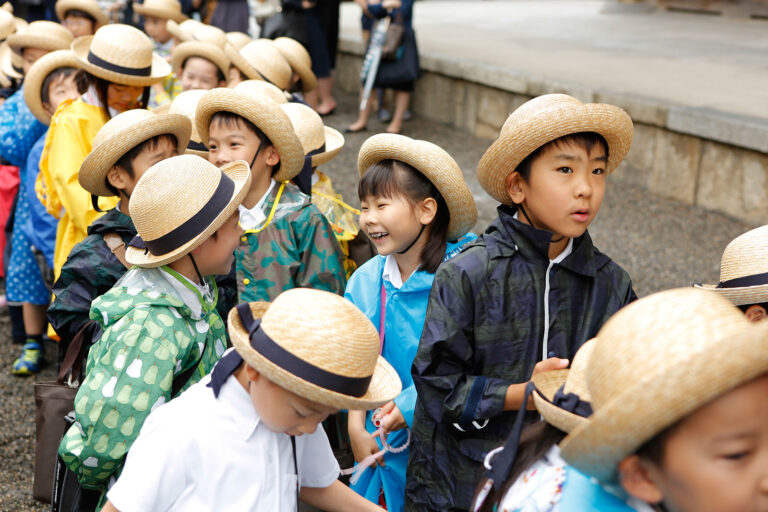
238	402
91	97
189	297
391	272
250	218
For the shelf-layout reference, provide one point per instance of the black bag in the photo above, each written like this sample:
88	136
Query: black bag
405	68
287	23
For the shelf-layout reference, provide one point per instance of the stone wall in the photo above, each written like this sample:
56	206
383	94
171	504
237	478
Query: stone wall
693	155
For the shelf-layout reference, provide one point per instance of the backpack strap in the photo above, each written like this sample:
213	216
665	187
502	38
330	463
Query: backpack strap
117	246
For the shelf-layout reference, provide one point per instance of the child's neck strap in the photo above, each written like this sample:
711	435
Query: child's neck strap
423	226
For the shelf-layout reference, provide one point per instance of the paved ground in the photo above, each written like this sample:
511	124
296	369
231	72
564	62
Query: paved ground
683	58
660	243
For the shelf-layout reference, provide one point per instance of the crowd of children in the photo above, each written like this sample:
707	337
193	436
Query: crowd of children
171	214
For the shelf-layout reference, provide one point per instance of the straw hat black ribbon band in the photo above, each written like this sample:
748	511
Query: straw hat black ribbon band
223	369
266	347
742	282
571	402
194	225
196	146
98	61
304	178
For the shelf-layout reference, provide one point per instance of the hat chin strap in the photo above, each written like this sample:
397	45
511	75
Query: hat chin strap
525	214
423	226
197	271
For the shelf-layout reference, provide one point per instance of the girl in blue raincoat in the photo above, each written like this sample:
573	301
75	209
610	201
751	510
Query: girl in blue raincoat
417	210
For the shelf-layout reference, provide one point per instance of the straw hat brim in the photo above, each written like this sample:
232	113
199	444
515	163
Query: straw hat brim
196	152
199	49
240	63
547	384
308	78
177	32
265	114
434	163
662	398
62	6
7	27
529	134
385	383
6	63
103	157
740	296
334	142
165	14
37	74
160	68
17	42
239	172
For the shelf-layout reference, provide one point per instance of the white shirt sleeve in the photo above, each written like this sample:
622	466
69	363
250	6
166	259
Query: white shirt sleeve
154	473
317	465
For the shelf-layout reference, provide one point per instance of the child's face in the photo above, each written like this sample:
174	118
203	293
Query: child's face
60	89
199	73
564	190
235	76
283	411
78	25
30	56
228	142
216	255
123	97
148	157
156	28
393	223
716	459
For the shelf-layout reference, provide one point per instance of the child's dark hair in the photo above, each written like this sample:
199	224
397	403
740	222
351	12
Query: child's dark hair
219	74
101	85
126	161
77	13
389	178
654	449
230	120
535	441
54	75
584	140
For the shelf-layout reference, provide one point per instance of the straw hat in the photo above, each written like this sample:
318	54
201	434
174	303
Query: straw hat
744	269
434	163
238	39
6	24
163	9
7	6
183	31
265	114
121	54
656	361
10	62
261	60
264	88
207	51
333	340
299	59
33	82
186	105
313	135
20	24
87	6
572	381
180	192
45	35
121	134
210	34
542	120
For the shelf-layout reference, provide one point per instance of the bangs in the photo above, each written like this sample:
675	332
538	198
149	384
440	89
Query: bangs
380	180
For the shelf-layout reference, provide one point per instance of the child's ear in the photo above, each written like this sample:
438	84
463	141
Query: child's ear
273	157
755	313
427	210
635	477
48	109
515	187
251	372
117	177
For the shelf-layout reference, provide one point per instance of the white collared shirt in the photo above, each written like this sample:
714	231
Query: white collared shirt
187	296
251	218
391	272
200	453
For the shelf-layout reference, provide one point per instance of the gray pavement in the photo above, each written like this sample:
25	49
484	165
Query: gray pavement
660	243
682	58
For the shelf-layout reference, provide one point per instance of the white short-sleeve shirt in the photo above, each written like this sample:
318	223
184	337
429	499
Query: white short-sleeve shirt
200	453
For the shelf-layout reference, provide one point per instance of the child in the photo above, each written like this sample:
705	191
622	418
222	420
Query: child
81	17
235	41
258	445
261	60
37	39
679	382
744	274
49	81
417	209
161	330
120	66
123	150
303	79
524	297
200	65
321	144
287	243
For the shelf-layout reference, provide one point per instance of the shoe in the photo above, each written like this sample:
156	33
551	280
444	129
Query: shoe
349	129
384	115
31	360
329	113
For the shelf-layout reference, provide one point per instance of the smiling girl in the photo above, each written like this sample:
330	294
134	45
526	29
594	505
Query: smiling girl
417	210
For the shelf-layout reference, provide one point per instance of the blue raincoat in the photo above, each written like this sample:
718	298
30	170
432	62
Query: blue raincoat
19	129
41	225
406	309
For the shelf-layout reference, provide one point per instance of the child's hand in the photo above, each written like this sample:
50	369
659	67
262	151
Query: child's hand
391	418
391	4
363	445
547	365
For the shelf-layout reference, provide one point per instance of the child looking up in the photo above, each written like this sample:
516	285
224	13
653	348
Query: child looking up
161	331
520	300
287	242
679	383
81	17
200	65
417	210
123	150
744	274
50	80
258	446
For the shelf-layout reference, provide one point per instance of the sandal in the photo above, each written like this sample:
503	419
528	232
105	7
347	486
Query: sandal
349	129
30	361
